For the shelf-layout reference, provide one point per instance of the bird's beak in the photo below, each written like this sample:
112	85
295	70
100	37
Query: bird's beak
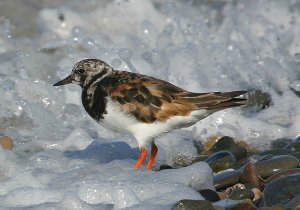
65	81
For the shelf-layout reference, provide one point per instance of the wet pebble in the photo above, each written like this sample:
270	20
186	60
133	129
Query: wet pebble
6	143
241	194
266	168
243	206
280	143
221	161
226	179
193	205
239	152
282	174
222	195
243	144
257	194
293	204
223	143
210	142
249	175
276	152
294	145
210	195
282	190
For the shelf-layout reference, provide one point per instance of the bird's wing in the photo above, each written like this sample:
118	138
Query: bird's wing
150	99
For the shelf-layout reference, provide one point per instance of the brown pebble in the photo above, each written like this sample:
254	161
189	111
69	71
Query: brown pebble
249	175
257	194
247	205
6	143
222	195
244	144
210	142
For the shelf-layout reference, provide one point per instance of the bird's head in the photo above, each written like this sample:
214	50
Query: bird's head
86	71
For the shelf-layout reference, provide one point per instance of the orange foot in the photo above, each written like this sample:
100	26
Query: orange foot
154	151
141	158
143	155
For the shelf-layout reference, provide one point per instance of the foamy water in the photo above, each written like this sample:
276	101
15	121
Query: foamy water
63	160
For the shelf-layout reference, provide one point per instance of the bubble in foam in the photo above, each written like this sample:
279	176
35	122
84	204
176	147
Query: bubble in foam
123	196
116	63
125	54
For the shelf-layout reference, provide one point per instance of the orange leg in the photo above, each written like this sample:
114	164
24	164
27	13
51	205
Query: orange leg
141	158
154	151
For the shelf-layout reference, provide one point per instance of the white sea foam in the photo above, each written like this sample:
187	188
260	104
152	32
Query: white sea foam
63	160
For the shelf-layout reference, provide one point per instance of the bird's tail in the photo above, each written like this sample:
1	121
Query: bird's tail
228	99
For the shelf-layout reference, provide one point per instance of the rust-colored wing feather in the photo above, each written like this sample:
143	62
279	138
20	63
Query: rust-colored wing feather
150	99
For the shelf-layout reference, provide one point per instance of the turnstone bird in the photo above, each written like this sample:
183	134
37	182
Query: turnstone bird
140	105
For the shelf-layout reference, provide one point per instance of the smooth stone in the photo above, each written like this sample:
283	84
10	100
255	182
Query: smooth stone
248	205
226	179
249	186
210	142
267	168
210	195
226	203
282	190
297	155
223	143
294	145
239	152
264	157
249	175
257	194
186	204
6	143
221	161
244	144
222	195
240	164
165	166
282	174
241	194
293	204
280	143
276	152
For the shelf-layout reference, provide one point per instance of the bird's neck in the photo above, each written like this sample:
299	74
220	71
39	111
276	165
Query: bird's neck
94	100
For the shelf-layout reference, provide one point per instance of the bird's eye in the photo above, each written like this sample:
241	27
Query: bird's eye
80	71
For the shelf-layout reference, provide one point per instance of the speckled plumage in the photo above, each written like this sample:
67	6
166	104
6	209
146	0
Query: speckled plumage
141	105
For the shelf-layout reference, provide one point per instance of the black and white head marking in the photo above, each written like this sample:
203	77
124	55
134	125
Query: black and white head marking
87	71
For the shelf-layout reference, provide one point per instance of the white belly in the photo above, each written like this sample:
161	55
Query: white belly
118	120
